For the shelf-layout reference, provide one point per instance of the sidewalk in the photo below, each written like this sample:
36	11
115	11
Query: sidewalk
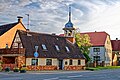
56	71
44	72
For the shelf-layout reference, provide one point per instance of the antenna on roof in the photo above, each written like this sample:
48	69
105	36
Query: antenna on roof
69	13
28	24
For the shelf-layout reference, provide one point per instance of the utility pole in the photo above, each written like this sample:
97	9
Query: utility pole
28	23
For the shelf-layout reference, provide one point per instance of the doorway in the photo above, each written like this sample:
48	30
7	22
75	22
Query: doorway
60	64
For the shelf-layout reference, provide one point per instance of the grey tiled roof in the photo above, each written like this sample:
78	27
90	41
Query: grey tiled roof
6	27
31	39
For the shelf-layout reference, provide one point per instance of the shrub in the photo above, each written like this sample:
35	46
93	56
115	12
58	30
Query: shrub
7	69
23	70
92	69
1	68
16	69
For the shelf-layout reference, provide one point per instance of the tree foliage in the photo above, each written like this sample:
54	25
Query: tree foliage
83	42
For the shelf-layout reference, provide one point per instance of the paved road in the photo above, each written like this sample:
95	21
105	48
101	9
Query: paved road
63	75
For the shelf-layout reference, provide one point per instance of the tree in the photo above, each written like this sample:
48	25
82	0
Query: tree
83	42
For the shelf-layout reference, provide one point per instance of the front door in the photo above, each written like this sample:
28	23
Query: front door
60	64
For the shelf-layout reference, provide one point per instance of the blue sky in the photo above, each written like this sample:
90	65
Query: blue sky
50	16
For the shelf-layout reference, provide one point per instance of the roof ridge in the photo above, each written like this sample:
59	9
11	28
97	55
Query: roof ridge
6	27
40	33
115	40
8	24
95	32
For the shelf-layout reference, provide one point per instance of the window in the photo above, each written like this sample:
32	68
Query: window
119	59
34	62
17	39
108	42
96	58
6	46
48	61
57	48
65	62
96	49
70	63
67	49
44	47
79	62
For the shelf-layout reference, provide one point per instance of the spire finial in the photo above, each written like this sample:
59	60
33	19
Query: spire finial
69	13
69	23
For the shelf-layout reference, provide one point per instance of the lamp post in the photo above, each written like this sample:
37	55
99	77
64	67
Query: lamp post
28	24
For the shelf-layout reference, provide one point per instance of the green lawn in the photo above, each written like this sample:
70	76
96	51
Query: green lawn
101	68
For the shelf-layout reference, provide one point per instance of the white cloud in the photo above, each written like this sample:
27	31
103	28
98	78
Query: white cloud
51	15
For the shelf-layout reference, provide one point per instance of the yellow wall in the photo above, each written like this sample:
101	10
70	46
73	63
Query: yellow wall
54	62
75	62
8	36
115	58
66	60
42	61
108	47
28	61
82	62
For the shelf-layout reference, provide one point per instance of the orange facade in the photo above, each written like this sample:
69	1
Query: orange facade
8	36
71	39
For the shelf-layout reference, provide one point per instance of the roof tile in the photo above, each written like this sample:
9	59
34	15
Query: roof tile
5	28
97	38
50	41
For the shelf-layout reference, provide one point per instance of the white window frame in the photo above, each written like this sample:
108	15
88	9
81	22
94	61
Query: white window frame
67	49
44	47
57	48
35	61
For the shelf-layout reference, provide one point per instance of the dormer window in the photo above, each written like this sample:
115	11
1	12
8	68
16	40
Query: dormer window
57	48
67	49
44	47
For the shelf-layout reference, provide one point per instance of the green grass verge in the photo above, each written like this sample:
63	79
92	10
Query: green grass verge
102	68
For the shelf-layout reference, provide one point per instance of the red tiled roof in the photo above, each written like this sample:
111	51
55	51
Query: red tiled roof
115	45
61	35
97	38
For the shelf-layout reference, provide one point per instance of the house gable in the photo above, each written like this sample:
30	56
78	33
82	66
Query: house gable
108	48
115	45
97	38
5	28
8	36
17	42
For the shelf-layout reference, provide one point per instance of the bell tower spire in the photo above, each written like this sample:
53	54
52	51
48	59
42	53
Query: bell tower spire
69	14
69	30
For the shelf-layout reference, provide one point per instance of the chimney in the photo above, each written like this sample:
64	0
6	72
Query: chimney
53	34
116	39
19	18
27	30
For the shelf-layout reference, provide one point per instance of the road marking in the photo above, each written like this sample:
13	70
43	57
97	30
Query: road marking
56	78
74	76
